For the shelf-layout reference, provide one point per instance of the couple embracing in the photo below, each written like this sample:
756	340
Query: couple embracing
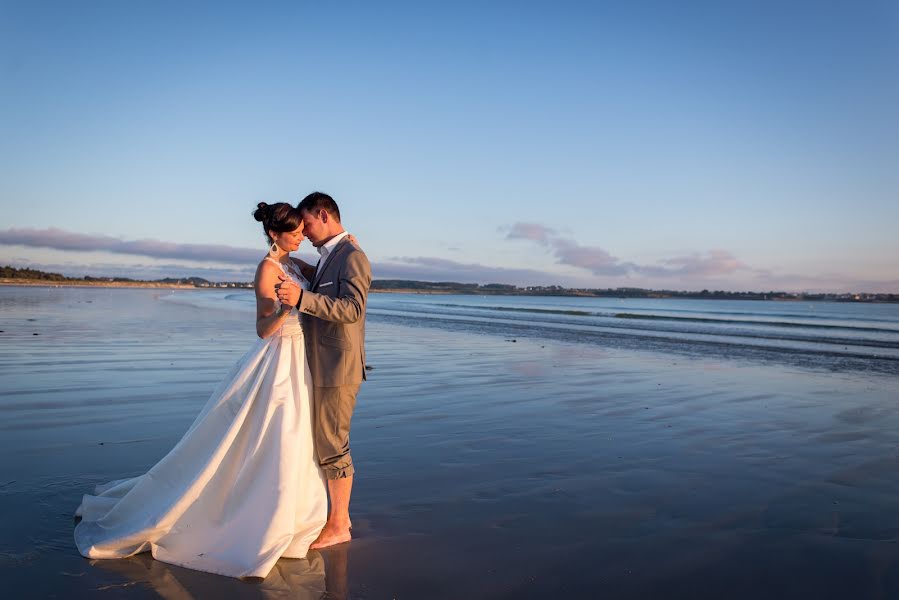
249	481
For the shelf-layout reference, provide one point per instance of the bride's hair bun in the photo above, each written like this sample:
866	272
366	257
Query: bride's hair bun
263	212
278	217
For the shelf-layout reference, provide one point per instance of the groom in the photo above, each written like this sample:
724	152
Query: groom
334	325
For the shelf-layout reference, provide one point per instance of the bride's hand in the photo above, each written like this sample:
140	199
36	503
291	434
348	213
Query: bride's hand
288	292
352	239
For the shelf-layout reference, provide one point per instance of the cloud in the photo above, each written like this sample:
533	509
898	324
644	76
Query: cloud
59	239
441	269
600	262
592	258
713	263
229	263
418	268
412	268
567	251
531	231
692	271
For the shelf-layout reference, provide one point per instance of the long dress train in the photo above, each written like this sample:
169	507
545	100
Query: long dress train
240	490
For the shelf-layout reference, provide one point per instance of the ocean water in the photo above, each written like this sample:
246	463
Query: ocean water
858	336
505	447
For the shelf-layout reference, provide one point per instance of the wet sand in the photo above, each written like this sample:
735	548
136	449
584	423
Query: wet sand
488	468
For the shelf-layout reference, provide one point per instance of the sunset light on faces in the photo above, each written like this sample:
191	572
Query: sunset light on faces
289	241
316	225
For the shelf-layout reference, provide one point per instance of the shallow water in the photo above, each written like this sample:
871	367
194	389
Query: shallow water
831	335
488	468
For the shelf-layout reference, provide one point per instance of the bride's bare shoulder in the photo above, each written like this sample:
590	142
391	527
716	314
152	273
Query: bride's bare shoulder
267	269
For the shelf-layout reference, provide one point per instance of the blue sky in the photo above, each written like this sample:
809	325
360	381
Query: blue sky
690	145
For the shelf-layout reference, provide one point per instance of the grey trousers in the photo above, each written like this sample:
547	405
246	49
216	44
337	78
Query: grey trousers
332	414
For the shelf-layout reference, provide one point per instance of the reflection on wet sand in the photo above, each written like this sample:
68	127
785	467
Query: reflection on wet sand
492	469
337	571
319	575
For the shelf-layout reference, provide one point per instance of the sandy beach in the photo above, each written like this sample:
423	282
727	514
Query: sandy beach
490	466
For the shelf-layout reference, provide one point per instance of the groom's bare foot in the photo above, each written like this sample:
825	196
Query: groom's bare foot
331	535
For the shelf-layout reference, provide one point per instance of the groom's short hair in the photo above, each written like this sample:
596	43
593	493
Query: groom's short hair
317	201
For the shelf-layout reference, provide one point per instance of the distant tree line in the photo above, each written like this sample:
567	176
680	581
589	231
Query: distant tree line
442	286
8	272
453	287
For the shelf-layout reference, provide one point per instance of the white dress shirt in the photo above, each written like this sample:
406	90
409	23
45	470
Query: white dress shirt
325	249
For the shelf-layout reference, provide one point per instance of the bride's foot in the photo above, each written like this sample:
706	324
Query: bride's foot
332	535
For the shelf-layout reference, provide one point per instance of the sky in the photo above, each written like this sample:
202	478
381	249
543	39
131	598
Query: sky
668	145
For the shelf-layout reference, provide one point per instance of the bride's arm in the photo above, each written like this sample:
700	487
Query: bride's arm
268	316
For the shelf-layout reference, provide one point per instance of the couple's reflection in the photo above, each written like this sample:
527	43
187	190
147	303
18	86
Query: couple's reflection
322	574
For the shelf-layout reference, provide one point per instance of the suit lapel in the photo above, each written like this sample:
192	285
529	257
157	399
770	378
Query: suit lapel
324	265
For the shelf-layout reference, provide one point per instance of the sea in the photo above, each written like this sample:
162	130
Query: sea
505	446
833	335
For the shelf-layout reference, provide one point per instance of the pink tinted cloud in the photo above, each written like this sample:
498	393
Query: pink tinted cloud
531	231
567	251
59	239
598	261
419	268
714	263
593	258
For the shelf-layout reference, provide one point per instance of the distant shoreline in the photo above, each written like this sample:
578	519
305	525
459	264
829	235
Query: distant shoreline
174	286
98	284
160	285
33	277
10	282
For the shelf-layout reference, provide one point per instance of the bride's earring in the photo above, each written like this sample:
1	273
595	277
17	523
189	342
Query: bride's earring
273	250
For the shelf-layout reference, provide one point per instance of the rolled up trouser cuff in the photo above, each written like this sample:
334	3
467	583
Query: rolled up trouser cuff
339	473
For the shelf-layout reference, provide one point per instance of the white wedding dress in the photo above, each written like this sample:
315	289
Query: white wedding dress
240	490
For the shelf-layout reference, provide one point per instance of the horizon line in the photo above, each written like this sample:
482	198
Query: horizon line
462	284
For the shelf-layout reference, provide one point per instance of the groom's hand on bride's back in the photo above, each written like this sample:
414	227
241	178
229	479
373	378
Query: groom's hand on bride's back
288	291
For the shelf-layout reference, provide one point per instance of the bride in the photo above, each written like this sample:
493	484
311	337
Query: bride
242	488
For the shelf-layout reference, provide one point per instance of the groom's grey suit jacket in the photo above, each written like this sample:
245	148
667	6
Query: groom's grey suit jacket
334	317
